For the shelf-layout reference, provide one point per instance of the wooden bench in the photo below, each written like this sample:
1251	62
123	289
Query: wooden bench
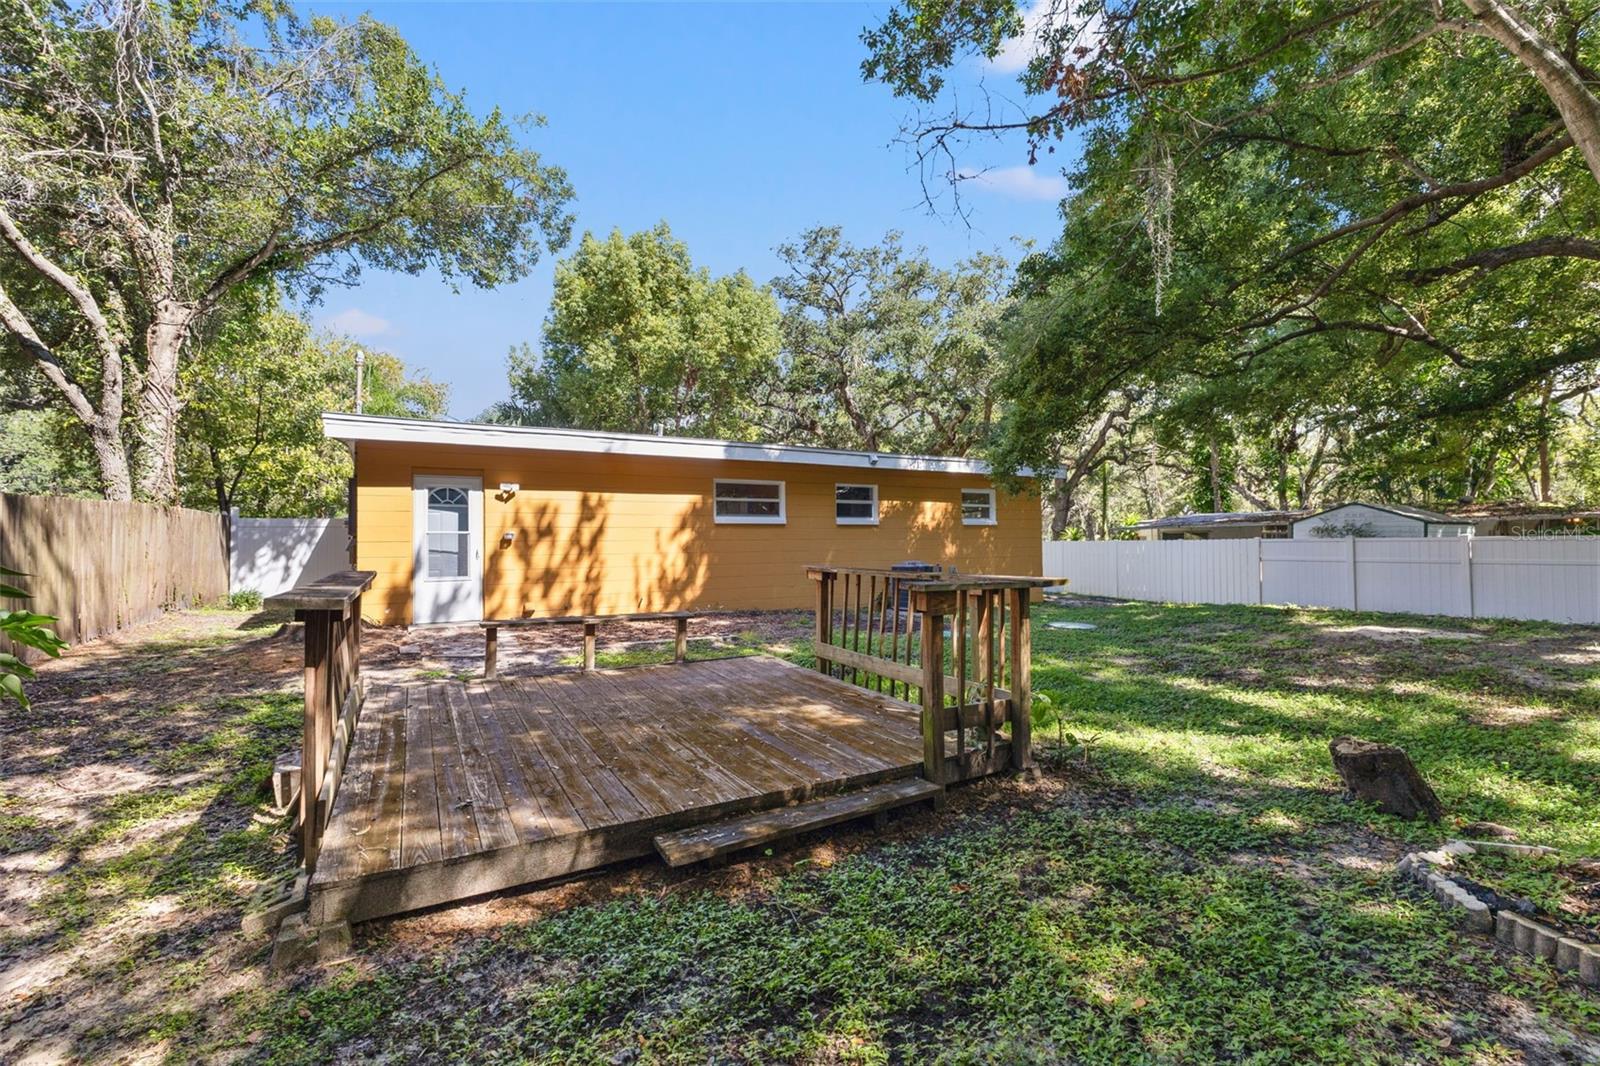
591	631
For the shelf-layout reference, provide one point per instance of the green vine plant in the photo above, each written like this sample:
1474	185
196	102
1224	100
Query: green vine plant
25	630
1046	711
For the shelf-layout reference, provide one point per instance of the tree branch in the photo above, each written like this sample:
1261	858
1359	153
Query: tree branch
1488	259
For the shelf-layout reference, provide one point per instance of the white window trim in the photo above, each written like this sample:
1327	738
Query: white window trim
779	519
855	521
994	515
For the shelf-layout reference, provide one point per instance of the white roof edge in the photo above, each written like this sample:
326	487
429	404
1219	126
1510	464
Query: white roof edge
352	428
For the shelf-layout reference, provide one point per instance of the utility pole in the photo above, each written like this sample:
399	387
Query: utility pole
361	366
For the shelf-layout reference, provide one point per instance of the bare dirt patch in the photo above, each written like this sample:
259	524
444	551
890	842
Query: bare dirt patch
1403	634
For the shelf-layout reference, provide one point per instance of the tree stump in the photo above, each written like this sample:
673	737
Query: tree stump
1383	775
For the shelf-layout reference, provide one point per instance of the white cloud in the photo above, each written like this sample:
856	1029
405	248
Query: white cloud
1015	53
1020	182
1043	16
359	323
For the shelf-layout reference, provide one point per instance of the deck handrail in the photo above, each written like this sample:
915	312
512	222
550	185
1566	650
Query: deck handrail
330	607
982	685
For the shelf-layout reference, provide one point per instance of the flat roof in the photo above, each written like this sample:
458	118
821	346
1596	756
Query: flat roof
354	428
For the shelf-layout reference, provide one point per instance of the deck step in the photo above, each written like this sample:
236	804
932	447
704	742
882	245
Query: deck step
718	838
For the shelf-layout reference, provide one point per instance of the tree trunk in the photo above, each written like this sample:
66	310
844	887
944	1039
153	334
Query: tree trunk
1561	81
116	483
1060	511
1383	775
1105	500
1544	441
156	424
1216	477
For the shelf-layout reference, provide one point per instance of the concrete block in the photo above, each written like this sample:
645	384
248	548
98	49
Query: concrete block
1505	928
1525	934
295	945
1505	847
1476	915
1544	942
1589	966
1568	952
299	942
333	941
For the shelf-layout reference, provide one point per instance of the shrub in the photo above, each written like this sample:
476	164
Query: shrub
245	600
26	629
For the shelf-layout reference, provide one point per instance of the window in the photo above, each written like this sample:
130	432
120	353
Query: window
977	507
447	532
855	505
751	502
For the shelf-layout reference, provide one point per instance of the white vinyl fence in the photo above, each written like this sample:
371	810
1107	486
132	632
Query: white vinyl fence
271	555
1548	578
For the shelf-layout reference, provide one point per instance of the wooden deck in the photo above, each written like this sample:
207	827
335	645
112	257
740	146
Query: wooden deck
456	788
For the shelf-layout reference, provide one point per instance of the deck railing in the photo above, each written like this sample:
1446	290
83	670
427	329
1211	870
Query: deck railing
885	630
331	611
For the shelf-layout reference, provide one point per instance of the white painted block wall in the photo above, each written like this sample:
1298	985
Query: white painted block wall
271	555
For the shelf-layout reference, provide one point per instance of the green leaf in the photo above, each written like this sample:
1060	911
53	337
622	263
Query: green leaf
11	685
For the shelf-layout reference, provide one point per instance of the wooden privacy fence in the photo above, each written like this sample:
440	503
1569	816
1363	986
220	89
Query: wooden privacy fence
885	630
100	565
1554	579
331	611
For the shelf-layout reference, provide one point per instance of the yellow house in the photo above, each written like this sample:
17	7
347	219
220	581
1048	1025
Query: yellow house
463	521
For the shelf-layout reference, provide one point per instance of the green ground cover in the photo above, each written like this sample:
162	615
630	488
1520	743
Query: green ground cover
1184	883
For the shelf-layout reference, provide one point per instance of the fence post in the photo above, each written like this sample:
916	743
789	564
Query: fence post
1261	573
1355	590
1466	568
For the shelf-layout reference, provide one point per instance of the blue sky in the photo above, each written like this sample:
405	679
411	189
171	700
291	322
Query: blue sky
739	124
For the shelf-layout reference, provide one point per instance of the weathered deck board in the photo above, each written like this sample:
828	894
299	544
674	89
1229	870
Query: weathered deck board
708	841
419	835
456	788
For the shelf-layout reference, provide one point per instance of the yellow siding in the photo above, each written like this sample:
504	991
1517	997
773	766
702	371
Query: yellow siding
608	534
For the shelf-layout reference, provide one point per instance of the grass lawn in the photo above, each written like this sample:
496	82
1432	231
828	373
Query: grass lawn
1184	884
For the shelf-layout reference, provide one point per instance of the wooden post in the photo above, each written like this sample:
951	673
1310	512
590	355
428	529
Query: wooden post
933	697
313	752
355	646
986	663
1021	681
958	631
894	635
491	652
822	625
331	611
680	647
590	632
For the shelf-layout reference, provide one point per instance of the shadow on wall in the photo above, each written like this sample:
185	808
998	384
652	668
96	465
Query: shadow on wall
272	555
563	562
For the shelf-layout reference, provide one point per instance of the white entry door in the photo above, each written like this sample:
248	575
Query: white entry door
447	581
